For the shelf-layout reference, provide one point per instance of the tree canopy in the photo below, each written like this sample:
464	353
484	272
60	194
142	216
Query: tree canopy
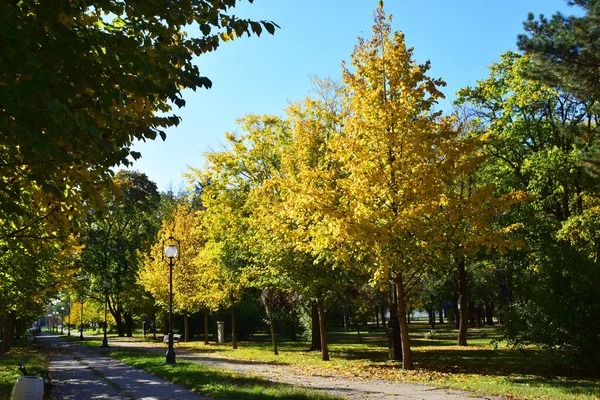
80	82
566	49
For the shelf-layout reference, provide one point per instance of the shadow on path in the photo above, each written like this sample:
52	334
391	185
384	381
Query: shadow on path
82	373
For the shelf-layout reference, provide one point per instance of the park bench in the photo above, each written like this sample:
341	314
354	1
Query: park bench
176	338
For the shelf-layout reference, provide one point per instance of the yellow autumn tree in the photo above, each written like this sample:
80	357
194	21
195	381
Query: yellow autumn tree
398	154
229	181
194	287
309	204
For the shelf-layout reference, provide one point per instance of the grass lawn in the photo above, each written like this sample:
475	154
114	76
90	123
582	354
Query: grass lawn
21	353
527	374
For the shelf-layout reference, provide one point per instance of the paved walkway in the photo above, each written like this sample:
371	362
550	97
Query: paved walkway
82	373
349	389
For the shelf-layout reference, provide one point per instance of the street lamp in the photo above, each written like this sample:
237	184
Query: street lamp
106	286
62	320
69	325
82	298
171	251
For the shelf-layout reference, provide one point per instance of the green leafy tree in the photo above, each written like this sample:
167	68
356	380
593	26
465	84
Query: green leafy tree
115	243
566	50
538	139
80	82
30	275
228	180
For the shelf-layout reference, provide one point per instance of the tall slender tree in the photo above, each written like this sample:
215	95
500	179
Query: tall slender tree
402	162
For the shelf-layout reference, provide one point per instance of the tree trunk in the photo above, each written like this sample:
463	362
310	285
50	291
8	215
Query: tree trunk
395	339
9	328
116	312
479	314
432	317
377	316
489	313
206	327
154	323
269	309
324	349
346	317
441	311
10	333
185	327
506	295
233	337
456	312
315	343
358	332
294	319
472	314
120	325
407	362
462	297
2	327
383	308
128	324
18	331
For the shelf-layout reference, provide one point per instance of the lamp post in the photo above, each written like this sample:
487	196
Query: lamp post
106	286
69	325
62	320
171	251
82	298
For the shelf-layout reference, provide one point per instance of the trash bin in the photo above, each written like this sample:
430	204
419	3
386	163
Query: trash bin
220	332
28	388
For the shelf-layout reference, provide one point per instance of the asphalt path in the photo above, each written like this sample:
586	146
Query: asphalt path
347	388
82	373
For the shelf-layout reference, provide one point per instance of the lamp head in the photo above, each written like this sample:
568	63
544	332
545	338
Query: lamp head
171	251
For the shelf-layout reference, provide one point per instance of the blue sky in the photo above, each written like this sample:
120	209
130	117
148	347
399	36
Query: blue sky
262	75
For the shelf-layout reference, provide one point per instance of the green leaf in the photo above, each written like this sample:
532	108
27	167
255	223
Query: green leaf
256	28
205	29
269	27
